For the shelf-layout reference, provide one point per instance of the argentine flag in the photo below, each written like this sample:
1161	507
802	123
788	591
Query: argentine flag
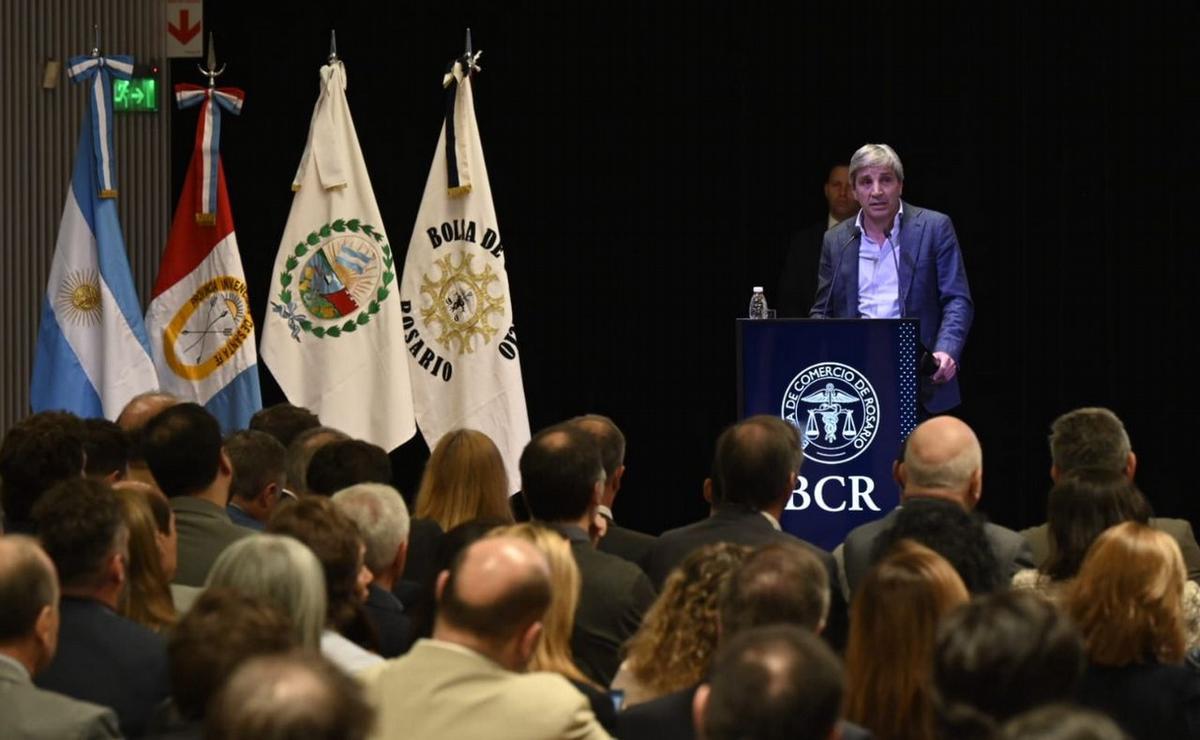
92	351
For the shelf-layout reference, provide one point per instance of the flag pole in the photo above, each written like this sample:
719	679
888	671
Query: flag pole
333	55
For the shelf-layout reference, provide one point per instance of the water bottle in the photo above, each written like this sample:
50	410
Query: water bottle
758	304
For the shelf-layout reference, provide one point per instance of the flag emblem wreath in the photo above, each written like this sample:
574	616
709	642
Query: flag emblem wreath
461	303
341	273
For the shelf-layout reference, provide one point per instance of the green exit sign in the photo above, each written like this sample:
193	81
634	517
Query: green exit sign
138	95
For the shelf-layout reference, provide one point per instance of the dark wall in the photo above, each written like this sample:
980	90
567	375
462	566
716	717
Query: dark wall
648	167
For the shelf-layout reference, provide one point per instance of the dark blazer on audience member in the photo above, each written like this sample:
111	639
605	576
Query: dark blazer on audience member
670	718
109	660
627	544
741	525
612	599
29	712
1150	701
387	614
1180	530
205	530
1011	550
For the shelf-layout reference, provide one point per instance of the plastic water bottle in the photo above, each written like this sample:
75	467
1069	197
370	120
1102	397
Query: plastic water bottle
758	304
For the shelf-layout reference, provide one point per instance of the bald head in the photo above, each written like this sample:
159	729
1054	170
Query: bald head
27	585
142	408
496	588
943	458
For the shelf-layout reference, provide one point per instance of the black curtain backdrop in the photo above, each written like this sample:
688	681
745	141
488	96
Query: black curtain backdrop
649	162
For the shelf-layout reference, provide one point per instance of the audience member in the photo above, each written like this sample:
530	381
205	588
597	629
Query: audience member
1061	722
37	452
146	598
259	475
563	480
28	639
299	453
470	680
133	419
958	535
998	656
342	463
672	649
282	572
893	621
182	446
290	697
284	422
105	450
382	519
464	480
102	657
1128	602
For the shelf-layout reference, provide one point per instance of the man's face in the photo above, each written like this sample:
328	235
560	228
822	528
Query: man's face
839	194
877	190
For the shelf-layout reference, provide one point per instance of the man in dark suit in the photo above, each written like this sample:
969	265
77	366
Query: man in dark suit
896	260
562	480
102	657
942	461
798	282
28	640
783	583
1094	437
615	539
755	469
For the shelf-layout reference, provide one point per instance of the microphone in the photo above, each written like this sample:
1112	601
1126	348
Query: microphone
855	231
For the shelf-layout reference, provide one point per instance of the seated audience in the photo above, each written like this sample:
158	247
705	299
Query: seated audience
672	649
147	596
284	422
37	452
464	480
998	656
958	535
300	453
342	463
1128	603
1061	722
379	512
28	639
289	697
259	474
102	657
349	638
470	680
283	573
106	449
182	446
893	620
133	419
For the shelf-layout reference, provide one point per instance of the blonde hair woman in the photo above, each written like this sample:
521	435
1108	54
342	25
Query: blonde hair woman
146	598
1128	602
464	480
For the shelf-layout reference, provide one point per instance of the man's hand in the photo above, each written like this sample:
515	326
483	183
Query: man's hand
598	529
947	368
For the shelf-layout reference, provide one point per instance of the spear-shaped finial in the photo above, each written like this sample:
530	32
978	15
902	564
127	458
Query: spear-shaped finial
212	73
468	41
333	55
96	40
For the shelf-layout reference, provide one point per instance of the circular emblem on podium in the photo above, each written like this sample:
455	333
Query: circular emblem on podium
835	409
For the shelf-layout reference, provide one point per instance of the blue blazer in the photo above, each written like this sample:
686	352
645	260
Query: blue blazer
933	288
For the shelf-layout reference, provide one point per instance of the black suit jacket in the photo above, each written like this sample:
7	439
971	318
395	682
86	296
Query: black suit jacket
742	526
627	544
387	614
109	660
798	281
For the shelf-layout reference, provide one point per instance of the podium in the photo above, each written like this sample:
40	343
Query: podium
850	387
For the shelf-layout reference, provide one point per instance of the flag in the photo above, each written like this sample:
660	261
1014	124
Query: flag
201	333
458	313
92	353
332	336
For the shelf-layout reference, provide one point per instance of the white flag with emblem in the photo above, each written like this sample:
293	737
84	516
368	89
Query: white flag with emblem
458	313
332	335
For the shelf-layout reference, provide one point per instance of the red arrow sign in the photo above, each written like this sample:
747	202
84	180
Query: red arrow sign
182	32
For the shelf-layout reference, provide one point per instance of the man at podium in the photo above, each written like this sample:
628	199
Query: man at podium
895	260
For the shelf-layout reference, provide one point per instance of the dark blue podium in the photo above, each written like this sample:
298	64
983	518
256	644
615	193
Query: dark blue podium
850	387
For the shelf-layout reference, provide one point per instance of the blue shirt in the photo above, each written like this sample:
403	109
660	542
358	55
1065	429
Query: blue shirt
242	519
878	273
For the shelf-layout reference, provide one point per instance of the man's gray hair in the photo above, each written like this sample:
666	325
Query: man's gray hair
382	518
1089	437
946	475
875	155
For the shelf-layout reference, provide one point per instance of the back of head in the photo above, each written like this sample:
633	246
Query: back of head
299	696
106	448
773	683
335	540
1082	504
942	456
284	422
757	459
952	532
1091	437
875	155
1128	597
905	594
258	459
27	586
79	524
560	468
381	516
36	453
142	408
463	480
182	446
1001	655
610	442
301	451
343	463
223	628
1061	722
780	583
495	589
282	572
